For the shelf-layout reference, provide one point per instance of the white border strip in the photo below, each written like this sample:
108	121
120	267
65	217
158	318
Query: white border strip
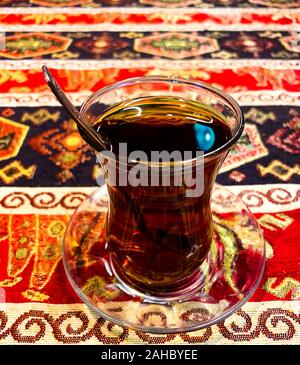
140	27
272	321
39	99
258	97
41	200
147	10
270	198
87	64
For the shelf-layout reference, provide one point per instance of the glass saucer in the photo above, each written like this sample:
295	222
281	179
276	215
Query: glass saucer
226	279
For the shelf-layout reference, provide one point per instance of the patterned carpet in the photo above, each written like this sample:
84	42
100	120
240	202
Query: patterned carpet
248	48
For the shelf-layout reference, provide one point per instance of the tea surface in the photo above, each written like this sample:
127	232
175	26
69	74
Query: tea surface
163	123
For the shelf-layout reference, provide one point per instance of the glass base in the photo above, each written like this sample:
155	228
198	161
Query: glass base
183	291
222	284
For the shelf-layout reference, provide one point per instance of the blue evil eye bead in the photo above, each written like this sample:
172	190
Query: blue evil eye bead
205	137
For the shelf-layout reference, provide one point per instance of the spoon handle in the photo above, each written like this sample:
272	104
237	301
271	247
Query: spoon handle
97	141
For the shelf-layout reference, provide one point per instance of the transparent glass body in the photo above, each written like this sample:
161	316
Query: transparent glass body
158	236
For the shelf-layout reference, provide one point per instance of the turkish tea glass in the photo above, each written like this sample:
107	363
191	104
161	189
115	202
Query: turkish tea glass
159	236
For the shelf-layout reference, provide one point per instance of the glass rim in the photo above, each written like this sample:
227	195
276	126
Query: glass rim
188	82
